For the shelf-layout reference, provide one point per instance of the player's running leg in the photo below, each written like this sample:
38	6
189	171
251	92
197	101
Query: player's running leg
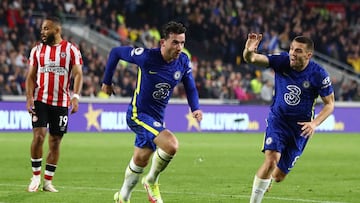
49	174
160	160
119	199
132	176
259	188
153	191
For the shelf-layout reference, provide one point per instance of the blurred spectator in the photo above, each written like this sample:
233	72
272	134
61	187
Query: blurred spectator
349	90
357	96
337	85
237	87
13	87
3	85
216	35
267	91
354	60
256	85
239	91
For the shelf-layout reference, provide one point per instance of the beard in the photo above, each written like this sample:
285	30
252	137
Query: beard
49	40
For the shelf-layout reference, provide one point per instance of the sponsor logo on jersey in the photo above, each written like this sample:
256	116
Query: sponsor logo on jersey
53	69
326	82
292	97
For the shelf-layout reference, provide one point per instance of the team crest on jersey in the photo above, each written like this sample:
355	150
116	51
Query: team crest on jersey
62	54
177	75
306	84
157	124
268	141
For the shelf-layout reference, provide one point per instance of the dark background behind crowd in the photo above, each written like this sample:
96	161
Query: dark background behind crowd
217	30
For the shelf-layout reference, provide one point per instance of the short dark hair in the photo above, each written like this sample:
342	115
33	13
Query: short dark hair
172	27
305	40
54	19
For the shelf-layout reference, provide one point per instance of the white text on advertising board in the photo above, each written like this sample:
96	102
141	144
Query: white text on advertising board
227	121
111	120
15	120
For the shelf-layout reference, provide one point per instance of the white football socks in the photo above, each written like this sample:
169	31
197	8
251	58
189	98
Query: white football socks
160	160
259	188
132	176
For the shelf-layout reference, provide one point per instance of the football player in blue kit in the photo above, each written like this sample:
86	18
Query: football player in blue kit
291	121
159	71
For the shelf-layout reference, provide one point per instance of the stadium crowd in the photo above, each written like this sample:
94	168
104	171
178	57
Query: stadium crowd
217	31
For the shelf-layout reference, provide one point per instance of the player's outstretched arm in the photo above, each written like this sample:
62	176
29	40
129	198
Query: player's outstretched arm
125	53
308	128
78	82
328	108
250	51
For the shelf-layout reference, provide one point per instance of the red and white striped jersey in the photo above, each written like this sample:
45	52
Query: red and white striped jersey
54	65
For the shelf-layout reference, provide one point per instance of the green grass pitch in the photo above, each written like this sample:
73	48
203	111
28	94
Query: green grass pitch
209	167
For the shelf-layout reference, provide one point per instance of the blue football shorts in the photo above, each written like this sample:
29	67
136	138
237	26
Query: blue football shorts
146	129
284	136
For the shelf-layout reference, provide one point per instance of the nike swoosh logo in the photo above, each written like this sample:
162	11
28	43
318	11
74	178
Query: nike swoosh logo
152	72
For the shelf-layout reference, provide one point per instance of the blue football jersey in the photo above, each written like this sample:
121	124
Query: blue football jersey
156	79
296	92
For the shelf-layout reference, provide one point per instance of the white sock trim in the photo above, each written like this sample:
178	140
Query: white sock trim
135	168
36	160
163	155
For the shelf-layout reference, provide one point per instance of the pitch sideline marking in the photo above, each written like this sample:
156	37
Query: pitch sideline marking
187	193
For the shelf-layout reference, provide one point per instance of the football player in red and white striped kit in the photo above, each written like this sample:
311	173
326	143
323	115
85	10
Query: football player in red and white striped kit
52	63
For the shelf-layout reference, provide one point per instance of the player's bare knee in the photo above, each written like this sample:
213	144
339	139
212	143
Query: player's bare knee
278	175
278	178
39	139
141	161
168	142
172	147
